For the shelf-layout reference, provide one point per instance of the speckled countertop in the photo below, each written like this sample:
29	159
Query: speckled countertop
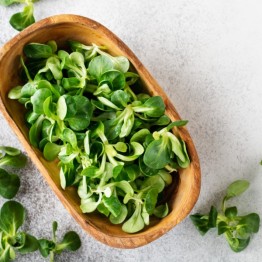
207	56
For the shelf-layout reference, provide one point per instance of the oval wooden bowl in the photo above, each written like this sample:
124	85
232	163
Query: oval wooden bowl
70	27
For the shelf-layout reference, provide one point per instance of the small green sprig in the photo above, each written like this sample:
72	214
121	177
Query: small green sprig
23	19
236	229
71	242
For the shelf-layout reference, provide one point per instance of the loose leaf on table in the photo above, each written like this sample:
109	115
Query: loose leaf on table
236	229
12	216
9	184
23	19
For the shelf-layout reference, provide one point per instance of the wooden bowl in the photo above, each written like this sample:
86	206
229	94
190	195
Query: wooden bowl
70	27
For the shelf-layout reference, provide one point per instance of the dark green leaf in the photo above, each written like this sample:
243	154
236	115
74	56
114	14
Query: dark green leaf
113	204
157	155
71	241
51	151
200	222
250	223
23	19
151	200
9	184
100	65
212	218
12	216
135	223
45	246
237	188
18	161
26	243
121	217
237	244
8	2
222	227
231	212
39	98
161	211
38	51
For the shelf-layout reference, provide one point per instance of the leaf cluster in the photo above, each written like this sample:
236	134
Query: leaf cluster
23	19
70	241
12	217
114	144
236	229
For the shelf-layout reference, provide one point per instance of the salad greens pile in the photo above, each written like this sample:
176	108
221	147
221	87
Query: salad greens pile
236	229
21	20
12	217
114	143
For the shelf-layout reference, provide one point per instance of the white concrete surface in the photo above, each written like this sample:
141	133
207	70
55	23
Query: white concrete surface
207	55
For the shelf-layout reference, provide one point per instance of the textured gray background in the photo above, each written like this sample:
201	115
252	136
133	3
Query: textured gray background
207	56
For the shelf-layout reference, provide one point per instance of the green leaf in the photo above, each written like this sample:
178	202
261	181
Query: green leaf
15	93
70	137
12	216
137	151
177	123
10	150
121	63
140	136
236	188
161	211
9	2
250	223
71	241
84	110
115	80
39	98
231	212
200	222
9	184
90	204
237	244
153	107
51	151
103	209
120	98
222	227
157	155
135	223
45	247
147	171
121	147
38	51
153	182
151	200
99	65
17	161
212	217
61	108
121	217
113	204
26	243
35	131
23	19
54	66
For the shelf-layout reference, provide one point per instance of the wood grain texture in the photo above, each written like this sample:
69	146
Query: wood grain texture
70	27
